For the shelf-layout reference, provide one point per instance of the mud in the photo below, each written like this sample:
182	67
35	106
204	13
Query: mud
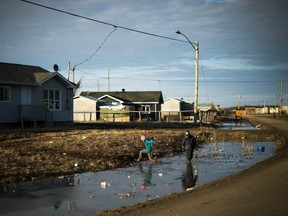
31	154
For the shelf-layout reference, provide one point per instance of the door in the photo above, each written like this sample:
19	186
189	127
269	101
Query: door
25	96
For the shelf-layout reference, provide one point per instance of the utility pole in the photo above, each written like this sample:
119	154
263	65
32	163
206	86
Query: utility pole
69	71
196	81
73	74
108	78
281	96
196	48
238	101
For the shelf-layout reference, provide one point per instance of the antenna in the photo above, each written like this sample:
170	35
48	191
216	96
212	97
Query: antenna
68	70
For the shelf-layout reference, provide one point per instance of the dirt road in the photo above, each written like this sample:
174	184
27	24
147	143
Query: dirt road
261	190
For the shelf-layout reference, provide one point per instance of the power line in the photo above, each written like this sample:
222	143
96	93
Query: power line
96	49
104	23
180	80
206	88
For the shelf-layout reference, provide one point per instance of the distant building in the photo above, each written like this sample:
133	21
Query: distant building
207	113
173	109
141	104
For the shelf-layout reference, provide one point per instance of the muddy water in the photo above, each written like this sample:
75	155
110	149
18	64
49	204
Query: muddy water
237	126
88	193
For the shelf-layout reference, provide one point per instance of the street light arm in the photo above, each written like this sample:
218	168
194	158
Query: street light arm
178	32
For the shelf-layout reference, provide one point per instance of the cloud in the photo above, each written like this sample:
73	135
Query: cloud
239	39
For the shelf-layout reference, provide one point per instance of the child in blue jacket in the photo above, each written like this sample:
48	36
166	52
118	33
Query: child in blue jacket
148	148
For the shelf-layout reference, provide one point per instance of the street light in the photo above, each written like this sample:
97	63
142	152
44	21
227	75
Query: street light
196	48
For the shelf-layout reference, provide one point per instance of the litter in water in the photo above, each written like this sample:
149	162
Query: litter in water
80	194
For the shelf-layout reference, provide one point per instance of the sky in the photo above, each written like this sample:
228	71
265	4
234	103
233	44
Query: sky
243	46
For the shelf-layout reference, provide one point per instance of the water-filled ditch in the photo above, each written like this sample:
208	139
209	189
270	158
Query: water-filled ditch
88	193
238	126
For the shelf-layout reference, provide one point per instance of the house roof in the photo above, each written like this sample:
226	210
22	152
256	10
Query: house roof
113	98
17	74
130	96
174	99
89	98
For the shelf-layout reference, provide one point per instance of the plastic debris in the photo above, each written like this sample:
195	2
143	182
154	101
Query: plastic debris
160	174
124	195
105	184
260	149
189	189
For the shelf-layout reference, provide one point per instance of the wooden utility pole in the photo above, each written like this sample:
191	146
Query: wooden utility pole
196	81
281	96
238	101
108	78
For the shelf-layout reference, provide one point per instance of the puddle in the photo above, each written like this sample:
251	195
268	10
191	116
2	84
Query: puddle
237	126
89	193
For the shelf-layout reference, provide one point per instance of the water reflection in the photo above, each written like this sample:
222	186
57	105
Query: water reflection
189	178
82	194
27	187
147	176
28	196
237	126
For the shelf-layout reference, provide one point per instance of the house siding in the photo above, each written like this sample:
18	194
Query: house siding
171	105
10	110
85	109
66	97
27	84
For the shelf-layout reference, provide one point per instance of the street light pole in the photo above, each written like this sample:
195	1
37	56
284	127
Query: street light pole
196	48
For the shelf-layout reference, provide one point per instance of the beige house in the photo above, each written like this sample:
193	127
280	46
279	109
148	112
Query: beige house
176	110
86	108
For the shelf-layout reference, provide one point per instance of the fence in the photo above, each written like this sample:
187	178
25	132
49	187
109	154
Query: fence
35	113
130	116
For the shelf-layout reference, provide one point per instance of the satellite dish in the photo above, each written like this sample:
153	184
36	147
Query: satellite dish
55	67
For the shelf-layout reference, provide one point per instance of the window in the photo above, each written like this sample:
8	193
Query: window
145	109
4	94
51	99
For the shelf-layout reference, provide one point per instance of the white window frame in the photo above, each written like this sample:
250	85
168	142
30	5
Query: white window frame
146	109
7	97
51	100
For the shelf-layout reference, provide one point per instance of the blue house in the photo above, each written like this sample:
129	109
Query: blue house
31	93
